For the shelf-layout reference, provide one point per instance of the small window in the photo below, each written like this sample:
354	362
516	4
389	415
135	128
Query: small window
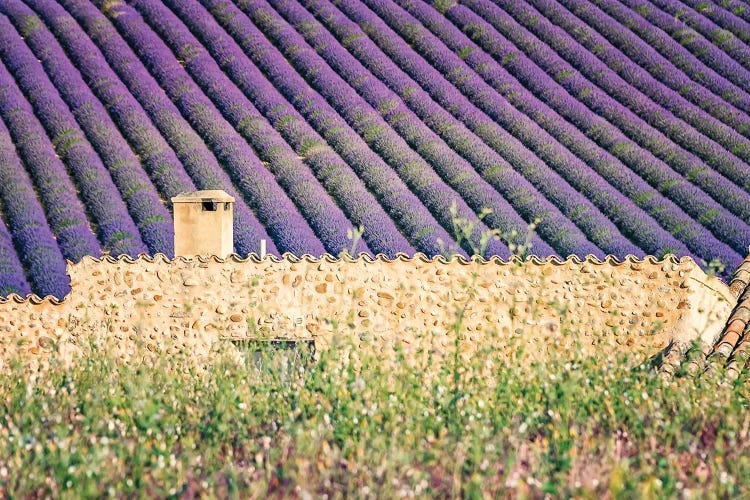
226	206
209	206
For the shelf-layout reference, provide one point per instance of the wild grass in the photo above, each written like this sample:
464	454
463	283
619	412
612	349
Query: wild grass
367	419
363	423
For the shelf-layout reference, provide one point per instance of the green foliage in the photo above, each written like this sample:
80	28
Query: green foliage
29	25
356	424
442	6
463	229
353	421
465	51
713	268
721	36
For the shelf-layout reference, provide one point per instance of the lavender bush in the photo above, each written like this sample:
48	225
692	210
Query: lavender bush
725	40
637	77
456	171
725	160
318	207
417	223
432	190
640	52
471	86
704	50
12	277
54	188
363	209
275	210
736	7
135	188
650	237
678	55
542	84
192	151
115	228
726	14
157	157
34	242
634	124
644	166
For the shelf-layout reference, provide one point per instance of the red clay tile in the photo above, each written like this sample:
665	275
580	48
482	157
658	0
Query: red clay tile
737	287
731	338
742	313
723	349
736	327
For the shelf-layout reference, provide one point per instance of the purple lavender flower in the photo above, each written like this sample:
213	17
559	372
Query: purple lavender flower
417	224
35	245
12	278
135	188
156	155
699	73
703	50
563	58
639	78
726	15
735	9
319	115
367	122
602	132
619	208
115	227
453	168
56	191
189	147
380	232
643	110
278	214
731	112
721	38
319	209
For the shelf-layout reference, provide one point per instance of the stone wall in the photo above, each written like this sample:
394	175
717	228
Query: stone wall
193	304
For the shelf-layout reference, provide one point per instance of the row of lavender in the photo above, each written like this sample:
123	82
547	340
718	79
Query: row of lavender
607	198
342	105
277	217
62	162
304	62
716	217
654	157
318	118
501	85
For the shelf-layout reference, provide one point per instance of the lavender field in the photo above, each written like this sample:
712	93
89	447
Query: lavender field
615	126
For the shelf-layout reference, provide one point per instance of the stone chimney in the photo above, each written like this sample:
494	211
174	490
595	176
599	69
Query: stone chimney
203	223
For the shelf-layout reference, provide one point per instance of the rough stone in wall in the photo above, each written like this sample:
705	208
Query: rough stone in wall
194	304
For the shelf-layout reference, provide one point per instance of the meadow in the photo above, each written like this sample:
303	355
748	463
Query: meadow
347	423
613	127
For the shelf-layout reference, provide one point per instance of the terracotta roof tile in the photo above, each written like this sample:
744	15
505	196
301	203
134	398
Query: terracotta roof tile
732	350
741	313
741	278
733	332
726	345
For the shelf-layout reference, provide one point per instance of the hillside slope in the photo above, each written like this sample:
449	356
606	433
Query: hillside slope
614	126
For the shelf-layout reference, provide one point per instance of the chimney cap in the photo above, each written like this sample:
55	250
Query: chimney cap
211	195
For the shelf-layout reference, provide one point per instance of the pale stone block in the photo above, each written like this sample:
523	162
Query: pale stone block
203	223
